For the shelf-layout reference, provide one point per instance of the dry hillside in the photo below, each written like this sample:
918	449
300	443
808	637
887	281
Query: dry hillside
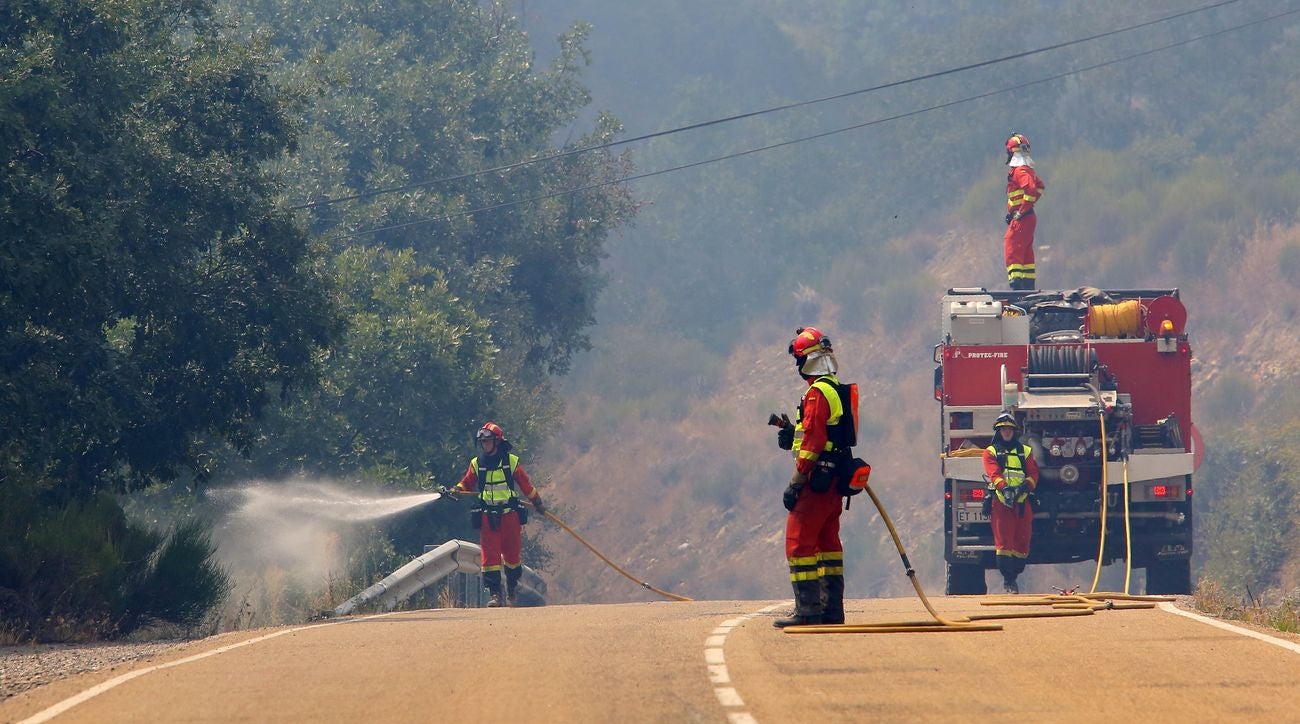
695	506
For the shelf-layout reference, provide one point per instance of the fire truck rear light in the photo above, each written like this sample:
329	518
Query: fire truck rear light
977	493
1167	327
1080	449
1056	451
1161	491
947	496
1189	492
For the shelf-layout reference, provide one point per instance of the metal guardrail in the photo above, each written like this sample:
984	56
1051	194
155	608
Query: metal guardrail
455	557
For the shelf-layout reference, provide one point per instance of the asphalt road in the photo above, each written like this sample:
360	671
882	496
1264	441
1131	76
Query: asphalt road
718	661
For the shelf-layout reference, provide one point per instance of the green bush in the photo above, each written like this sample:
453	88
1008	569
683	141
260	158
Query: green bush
79	570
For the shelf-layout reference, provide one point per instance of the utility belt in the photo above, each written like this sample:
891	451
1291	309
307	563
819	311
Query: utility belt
494	513
848	474
1027	214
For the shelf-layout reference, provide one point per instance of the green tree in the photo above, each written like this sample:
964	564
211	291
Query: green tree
453	317
150	289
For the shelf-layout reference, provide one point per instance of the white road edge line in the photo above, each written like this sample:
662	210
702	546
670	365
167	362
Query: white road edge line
94	691
716	662
1289	645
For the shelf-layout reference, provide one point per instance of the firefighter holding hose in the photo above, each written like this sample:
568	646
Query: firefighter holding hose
498	479
821	443
1013	476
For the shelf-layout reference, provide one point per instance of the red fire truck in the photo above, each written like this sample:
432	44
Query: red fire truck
1064	363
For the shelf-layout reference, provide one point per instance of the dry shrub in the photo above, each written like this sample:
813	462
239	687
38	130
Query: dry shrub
1212	598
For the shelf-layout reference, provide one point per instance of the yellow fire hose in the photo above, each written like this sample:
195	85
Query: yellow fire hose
612	564
1105	496
1062	605
1128	534
938	624
1115	320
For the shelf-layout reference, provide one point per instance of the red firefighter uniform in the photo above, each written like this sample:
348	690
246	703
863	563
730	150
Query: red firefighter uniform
499	479
1024	189
812	530
1012	525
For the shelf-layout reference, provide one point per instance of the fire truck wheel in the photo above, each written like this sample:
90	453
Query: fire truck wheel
965	580
1169	578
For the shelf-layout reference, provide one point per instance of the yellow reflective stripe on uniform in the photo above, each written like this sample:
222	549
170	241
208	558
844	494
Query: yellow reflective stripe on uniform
1013	554
832	396
830	556
808	454
832	570
494	485
804	568
1015	463
1029	197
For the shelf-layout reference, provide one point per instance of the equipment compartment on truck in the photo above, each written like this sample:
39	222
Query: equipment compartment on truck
1060	362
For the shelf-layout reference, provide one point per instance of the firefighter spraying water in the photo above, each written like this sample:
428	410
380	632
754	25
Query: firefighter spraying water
498	479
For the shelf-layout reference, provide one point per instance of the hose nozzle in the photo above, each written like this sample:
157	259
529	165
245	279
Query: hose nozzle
781	420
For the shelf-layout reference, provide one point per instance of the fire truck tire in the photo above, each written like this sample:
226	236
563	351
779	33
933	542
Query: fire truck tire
1169	578
966	580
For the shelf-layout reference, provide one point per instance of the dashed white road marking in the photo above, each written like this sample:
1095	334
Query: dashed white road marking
727	696
717	667
1290	645
94	691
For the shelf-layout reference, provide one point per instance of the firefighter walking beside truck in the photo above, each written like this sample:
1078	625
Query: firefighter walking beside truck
825	472
1013	476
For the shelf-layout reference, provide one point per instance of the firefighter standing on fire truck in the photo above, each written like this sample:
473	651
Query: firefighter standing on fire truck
498	477
1013	476
812	530
1024	188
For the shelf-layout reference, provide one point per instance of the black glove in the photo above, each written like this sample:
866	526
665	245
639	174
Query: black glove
1008	218
790	497
537	503
785	438
987	506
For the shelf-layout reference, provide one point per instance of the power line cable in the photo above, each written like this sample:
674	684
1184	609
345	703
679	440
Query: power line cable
752	114
813	137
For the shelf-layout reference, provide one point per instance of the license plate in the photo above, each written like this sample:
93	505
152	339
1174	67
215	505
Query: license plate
972	516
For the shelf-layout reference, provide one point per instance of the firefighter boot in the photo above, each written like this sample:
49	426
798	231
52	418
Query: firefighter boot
1007	567
833	599
492	579
512	585
807	605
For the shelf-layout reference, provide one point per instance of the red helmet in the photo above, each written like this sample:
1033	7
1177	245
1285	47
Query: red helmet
808	339
490	430
1018	143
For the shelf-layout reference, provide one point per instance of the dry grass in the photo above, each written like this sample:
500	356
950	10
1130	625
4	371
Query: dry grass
1213	599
